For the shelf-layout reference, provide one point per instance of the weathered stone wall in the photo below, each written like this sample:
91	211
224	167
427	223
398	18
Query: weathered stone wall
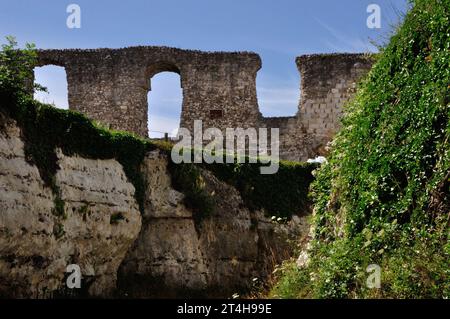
111	86
328	82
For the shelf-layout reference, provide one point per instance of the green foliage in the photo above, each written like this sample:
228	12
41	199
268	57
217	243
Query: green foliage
58	230
384	197
186	178
421	270
282	194
288	280
395	142
58	210
16	66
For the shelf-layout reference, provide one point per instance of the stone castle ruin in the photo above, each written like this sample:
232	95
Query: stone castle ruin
219	88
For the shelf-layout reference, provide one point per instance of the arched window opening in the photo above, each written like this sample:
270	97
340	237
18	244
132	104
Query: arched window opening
164	105
54	79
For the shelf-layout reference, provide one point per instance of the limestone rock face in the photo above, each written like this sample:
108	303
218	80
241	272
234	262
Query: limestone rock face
166	259
229	239
26	224
37	242
91	219
173	256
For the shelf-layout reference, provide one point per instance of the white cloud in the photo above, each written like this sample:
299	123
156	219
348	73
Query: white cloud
158	125
278	101
58	100
341	42
54	79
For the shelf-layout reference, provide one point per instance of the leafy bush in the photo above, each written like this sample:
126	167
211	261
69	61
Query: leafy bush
187	178
282	194
16	67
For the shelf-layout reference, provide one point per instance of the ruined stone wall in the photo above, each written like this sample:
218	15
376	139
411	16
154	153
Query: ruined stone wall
111	86
328	82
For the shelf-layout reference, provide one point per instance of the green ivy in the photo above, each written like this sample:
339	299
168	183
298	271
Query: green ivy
187	178
384	196
282	194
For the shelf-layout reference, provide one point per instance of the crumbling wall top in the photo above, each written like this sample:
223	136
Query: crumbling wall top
145	54
318	70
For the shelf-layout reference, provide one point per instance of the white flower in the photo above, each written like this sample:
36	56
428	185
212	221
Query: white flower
318	159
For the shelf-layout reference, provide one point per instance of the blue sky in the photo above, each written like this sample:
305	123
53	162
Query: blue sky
277	30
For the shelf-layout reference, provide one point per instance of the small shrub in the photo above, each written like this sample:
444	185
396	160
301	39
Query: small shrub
59	210
187	179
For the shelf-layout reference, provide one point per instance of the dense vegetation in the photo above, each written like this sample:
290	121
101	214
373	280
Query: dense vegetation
384	197
281	194
46	128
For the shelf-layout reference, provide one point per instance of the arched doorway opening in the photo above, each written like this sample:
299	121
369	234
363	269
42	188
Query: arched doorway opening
165	98
53	78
